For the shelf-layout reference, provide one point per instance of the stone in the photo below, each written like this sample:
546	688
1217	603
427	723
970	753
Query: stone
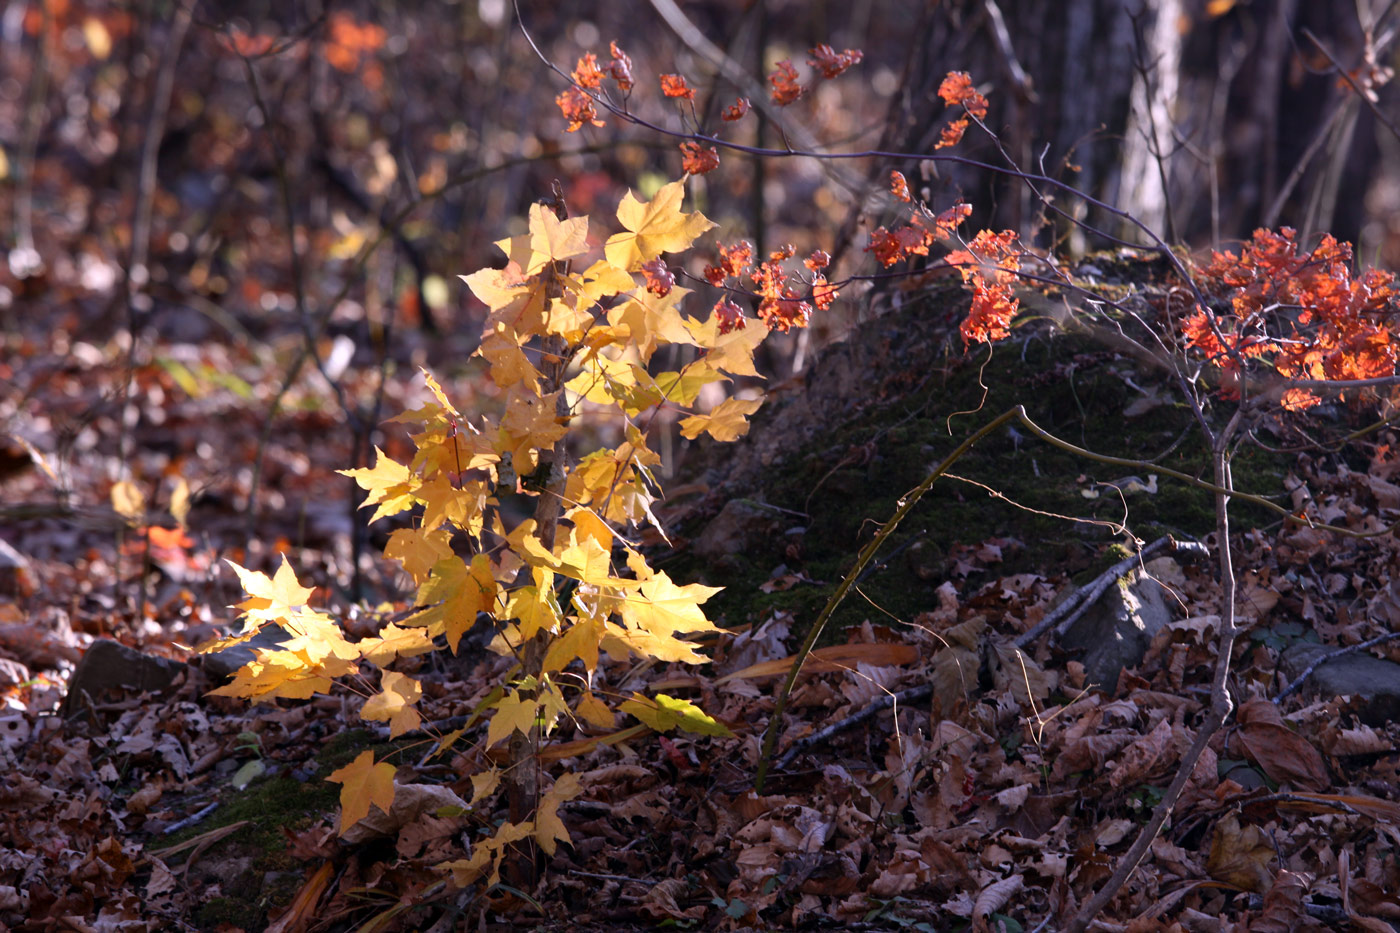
16	577
1373	682
108	666
223	664
1115	632
740	527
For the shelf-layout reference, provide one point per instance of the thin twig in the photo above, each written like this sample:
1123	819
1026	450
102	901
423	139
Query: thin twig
868	712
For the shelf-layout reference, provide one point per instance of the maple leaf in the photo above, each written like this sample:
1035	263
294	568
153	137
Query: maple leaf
661	610
528	425
620	68
736	110
664	713
394	702
653	227
594	712
660	280
535	608
363	783
726	422
389	484
514	713
459	593
549	829
554	240
579	641
577	108
730	342
270	599
395	642
500	346
587	74
675	86
899	187
418	550
698	161
785	89
653	319
832	63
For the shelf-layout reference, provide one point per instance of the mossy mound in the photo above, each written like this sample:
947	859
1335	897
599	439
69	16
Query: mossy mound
832	453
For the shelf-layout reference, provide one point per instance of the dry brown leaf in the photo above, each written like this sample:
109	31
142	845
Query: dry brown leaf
832	658
1241	856
1284	756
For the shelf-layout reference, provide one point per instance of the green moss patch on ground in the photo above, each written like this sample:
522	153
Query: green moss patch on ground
838	486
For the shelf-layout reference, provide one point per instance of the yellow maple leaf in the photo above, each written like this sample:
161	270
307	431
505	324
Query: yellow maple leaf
549	829
653	227
652	321
595	712
727	421
580	641
418	549
535	608
363	783
602	280
554	240
513	713
500	346
270	599
455	593
394	702
289	674
661	610
395	642
389	483
462	504
529	424
731	352
664	713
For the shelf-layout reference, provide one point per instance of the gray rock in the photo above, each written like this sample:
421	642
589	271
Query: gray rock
16	579
1374	682
742	525
221	665
110	666
1114	633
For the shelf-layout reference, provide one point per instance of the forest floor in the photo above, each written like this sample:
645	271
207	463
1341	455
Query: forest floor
994	796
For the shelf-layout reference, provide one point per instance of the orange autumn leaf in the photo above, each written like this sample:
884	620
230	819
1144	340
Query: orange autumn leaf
736	110
697	160
785	88
675	86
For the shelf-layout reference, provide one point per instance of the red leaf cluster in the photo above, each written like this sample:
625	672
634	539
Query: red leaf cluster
577	108
660	279
1307	312
736	110
915	237
899	187
675	86
786	90
989	265
734	261
698	161
957	89
729	316
832	63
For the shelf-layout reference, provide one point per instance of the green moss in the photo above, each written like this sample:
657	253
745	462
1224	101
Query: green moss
1072	387
232	911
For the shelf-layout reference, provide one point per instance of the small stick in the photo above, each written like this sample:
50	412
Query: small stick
855	719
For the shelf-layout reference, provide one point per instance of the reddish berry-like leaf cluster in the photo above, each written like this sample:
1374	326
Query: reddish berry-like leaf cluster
675	86
957	89
989	265
734	261
832	63
736	110
729	317
1307	312
899	187
696	160
786	90
578	108
660	279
